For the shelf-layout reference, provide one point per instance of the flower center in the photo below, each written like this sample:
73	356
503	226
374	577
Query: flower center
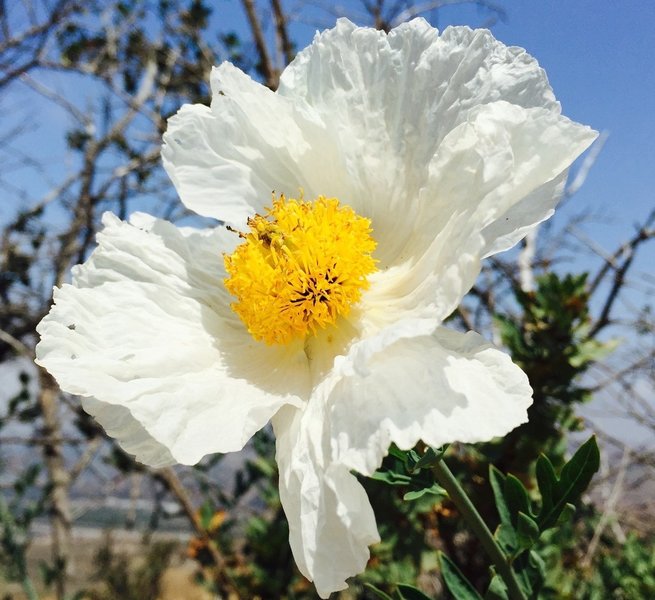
300	266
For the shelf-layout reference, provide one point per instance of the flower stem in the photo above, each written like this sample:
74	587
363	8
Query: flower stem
447	480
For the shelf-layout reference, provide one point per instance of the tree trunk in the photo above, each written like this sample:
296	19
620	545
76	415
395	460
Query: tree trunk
60	510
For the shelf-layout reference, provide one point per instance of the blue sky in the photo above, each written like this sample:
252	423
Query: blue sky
600	59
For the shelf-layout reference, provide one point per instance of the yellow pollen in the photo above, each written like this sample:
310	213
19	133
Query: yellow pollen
300	266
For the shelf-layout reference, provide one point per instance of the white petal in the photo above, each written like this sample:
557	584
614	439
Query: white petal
146	327
441	388
119	423
491	180
502	168
531	149
331	522
429	285
225	161
422	84
390	100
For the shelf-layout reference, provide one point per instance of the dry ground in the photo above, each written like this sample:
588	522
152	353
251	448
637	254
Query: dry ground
177	581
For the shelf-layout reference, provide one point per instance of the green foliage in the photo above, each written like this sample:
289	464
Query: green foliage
17	512
557	493
521	527
402	592
620	569
411	471
550	341
455	581
120	577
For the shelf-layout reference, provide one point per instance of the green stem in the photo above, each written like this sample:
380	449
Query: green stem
447	480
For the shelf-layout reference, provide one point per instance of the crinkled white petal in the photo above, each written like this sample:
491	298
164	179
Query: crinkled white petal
429	285
227	160
399	102
392	98
360	115
509	229
146	326
331	522
118	423
492	178
438	388
525	155
493	168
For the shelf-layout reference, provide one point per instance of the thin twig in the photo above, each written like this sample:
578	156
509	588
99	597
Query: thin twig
608	511
170	479
284	42
266	65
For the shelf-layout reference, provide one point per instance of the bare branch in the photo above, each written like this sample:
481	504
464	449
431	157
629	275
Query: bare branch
588	162
626	253
172	483
58	479
271	76
17	345
608	510
284	43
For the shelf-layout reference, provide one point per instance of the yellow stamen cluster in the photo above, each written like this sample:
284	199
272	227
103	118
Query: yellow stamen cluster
300	266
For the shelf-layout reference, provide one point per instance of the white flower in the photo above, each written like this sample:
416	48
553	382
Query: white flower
453	147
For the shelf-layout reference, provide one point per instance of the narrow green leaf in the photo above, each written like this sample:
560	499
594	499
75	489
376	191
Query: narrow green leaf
497	481
517	497
430	456
434	489
525	574
206	514
391	478
378	592
497	589
538	565
505	535
457	584
398	453
567	514
527	531
574	479
546	481
409	592
577	473
412	458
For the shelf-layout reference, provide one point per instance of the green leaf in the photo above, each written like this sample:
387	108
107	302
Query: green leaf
398	453
497	481
206	513
497	589
429	458
457	584
538	565
546	481
505	535
409	592
391	478
574	479
567	514
527	531
378	592
435	489
517	497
